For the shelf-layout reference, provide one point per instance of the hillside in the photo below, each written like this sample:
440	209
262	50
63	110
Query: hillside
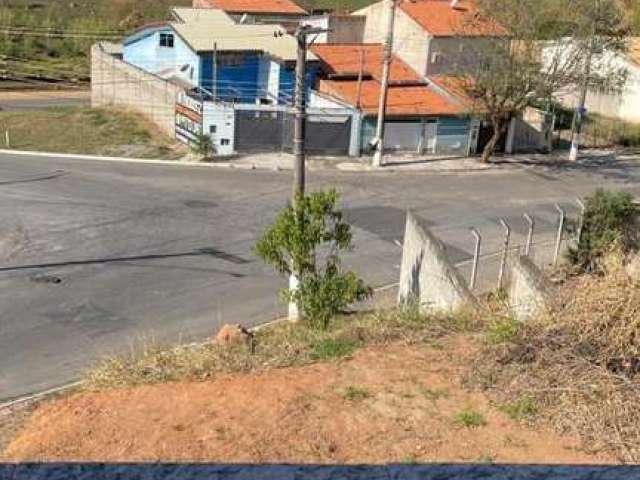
49	40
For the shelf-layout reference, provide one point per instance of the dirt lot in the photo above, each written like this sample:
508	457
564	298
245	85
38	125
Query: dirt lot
395	403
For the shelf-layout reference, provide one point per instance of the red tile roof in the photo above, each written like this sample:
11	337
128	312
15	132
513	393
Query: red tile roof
406	100
282	7
441	19
344	59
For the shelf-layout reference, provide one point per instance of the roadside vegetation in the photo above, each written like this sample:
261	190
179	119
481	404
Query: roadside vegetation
84	130
277	346
574	368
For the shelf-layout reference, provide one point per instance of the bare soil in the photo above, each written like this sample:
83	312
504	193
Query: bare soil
396	403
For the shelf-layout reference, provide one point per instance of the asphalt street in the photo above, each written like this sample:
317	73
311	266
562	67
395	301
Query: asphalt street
97	256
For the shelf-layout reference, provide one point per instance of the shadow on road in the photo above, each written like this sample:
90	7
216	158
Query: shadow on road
201	252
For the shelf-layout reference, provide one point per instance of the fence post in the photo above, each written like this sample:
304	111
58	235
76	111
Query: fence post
556	253
532	225
505	251
476	258
581	222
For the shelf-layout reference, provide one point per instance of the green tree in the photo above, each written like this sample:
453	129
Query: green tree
537	49
307	241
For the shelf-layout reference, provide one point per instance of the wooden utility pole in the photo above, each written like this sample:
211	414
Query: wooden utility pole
299	137
384	89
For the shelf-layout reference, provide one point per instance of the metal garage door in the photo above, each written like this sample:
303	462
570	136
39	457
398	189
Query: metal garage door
259	131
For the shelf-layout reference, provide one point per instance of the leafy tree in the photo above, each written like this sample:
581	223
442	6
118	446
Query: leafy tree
307	240
512	69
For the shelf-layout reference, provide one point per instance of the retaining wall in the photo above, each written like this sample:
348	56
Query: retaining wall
116	83
427	276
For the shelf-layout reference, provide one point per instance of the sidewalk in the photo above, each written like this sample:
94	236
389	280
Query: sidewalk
415	163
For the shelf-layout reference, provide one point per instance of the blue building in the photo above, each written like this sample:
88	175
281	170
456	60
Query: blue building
205	50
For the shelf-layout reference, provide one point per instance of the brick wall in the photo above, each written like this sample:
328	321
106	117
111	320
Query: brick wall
116	83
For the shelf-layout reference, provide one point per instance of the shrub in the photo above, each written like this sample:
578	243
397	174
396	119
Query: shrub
307	240
470	419
608	218
203	146
356	394
330	348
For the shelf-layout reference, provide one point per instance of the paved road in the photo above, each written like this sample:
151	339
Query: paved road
161	252
39	99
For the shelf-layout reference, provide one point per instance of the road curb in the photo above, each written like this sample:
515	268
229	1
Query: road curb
244	166
100	158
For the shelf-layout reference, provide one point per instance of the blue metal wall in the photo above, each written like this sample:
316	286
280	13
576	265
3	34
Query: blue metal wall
238	82
288	81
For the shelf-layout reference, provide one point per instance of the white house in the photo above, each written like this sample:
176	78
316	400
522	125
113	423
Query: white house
622	103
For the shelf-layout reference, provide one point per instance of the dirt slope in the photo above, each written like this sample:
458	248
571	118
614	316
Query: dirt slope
391	404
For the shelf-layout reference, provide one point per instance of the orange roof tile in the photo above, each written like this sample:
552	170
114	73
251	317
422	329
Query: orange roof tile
344	59
283	7
441	19
403	100
453	85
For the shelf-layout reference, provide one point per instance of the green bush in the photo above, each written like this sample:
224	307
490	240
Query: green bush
307	240
203	146
609	217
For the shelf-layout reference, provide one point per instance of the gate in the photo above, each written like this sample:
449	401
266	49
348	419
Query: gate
259	130
325	134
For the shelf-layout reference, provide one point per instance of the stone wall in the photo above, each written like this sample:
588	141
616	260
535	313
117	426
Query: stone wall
116	83
427	276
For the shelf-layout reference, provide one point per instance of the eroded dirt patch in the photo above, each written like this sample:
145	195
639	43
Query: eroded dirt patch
388	404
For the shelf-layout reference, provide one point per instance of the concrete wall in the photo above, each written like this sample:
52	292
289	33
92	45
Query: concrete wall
531	132
449	55
529	292
342	28
410	42
218	121
114	82
427	276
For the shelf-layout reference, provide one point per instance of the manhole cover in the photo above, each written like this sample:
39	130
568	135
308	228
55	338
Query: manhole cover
46	279
200	204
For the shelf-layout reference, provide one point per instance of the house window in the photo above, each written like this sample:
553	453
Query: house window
213	129
224	141
166	40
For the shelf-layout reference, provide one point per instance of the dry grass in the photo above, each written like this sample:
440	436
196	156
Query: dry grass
278	346
84	130
579	365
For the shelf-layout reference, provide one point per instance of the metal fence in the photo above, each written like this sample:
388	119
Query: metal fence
542	236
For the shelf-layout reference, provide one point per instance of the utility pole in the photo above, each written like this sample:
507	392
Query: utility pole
214	73
299	136
360	75
384	89
578	117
